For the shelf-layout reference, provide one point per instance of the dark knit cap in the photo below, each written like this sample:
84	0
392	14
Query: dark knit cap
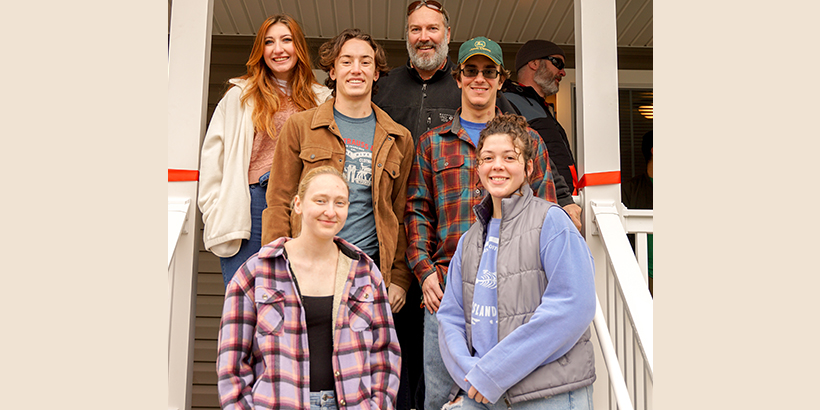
534	50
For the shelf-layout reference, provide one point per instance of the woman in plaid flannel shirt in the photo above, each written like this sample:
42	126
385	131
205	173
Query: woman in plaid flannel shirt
306	322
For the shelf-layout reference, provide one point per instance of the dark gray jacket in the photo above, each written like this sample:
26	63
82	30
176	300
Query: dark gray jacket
528	103
419	105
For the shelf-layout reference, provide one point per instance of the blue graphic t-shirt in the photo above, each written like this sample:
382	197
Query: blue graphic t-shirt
358	133
485	297
473	129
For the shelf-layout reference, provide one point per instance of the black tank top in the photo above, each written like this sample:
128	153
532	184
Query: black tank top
318	315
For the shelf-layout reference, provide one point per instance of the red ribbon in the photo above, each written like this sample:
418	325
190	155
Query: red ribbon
599	178
177	175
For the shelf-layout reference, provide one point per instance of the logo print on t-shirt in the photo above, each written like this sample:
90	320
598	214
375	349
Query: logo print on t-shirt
491	244
358	169
487	279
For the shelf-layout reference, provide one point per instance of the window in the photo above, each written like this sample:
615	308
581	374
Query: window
633	125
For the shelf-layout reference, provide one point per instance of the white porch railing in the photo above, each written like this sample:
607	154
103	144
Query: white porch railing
178	348
638	222
177	215
189	51
623	320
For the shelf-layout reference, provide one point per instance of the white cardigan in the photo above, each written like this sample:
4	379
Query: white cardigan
224	197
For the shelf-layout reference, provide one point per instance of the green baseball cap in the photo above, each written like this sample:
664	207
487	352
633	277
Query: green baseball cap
483	46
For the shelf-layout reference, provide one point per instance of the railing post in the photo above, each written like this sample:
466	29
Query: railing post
642	254
189	53
640	223
597	126
611	358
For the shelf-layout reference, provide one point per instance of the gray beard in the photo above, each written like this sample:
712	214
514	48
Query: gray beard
545	81
429	63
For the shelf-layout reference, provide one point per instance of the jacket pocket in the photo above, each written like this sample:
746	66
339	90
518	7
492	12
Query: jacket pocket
390	172
449	162
452	178
360	304
438	116
315	154
392	169
270	305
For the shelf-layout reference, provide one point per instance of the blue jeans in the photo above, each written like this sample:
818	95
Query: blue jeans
578	399
437	380
249	246
323	400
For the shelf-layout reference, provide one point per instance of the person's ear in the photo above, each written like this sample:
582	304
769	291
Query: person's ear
297	205
501	77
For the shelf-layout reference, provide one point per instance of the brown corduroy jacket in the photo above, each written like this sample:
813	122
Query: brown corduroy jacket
310	139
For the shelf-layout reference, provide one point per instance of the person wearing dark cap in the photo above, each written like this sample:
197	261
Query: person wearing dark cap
443	187
540	67
637	192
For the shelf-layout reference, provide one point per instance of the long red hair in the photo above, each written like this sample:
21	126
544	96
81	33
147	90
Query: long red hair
262	88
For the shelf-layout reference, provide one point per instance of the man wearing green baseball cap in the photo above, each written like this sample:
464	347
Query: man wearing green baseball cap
443	187
422	95
480	74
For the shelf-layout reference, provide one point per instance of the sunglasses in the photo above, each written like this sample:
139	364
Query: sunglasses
488	73
431	4
556	62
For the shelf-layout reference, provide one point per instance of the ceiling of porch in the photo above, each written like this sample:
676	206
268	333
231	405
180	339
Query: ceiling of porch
505	21
509	22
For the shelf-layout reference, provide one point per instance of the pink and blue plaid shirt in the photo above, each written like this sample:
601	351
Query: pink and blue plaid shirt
263	359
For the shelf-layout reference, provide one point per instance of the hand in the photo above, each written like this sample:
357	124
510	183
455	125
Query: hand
431	289
574	212
397	297
475	395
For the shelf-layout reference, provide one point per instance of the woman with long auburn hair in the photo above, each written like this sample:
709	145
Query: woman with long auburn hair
237	151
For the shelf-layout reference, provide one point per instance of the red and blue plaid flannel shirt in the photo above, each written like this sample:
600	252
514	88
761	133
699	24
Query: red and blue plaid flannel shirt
442	190
263	359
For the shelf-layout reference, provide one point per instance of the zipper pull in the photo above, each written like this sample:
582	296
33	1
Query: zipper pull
507	400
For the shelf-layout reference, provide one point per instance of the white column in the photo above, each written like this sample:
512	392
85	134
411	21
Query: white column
596	60
189	53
